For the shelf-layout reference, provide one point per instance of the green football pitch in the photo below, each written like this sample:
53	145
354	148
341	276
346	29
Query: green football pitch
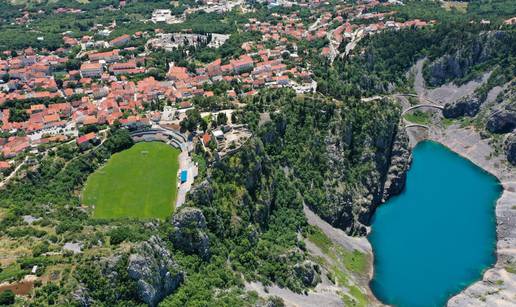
140	182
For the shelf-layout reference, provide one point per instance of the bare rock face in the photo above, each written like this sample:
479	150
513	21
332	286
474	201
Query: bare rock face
109	267
308	273
502	121
82	297
384	150
458	64
152	268
445	68
510	148
466	106
401	158
201	193
189	232
503	118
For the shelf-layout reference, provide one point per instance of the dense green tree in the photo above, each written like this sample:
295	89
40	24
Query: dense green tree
7	297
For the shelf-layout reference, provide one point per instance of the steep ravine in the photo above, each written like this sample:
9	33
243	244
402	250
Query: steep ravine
351	207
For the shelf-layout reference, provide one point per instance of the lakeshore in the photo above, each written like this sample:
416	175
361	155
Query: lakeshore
498	284
426	248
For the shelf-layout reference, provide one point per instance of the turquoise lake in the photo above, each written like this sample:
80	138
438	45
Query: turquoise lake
439	235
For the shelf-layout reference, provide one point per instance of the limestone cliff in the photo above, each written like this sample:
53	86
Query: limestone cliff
154	271
466	106
189	233
146	273
470	52
345	157
502	118
363	179
401	157
510	148
308	272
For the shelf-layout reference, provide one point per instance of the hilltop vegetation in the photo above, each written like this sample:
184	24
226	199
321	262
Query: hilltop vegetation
56	177
243	221
382	67
252	202
446	11
47	24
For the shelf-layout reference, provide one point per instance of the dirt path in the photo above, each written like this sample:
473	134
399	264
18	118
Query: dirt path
185	163
322	296
12	174
419	81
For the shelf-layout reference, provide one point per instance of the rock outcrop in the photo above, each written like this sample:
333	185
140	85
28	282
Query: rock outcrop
503	118
274	301
401	158
475	50
465	106
351	202
502	121
510	148
308	273
81	296
110	267
189	233
445	68
152	268
201	193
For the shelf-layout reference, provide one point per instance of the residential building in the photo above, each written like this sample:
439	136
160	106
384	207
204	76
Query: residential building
91	70
120	41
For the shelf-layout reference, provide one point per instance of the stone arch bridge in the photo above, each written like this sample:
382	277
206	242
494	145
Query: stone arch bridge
423	105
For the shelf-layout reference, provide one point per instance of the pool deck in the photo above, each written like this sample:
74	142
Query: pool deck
185	163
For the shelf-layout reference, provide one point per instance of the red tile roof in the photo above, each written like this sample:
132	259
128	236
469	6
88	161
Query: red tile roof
86	138
206	138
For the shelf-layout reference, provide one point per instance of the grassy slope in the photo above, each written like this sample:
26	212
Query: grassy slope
343	264
135	184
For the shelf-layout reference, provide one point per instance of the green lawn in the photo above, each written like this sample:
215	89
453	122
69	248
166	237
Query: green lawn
140	182
418	117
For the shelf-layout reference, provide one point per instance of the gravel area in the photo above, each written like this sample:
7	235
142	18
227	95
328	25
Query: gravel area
446	93
76	248
451	92
29	219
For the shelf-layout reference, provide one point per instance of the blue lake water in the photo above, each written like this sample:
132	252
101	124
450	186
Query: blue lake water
439	235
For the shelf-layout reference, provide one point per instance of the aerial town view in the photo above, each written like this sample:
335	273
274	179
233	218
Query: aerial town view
258	153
